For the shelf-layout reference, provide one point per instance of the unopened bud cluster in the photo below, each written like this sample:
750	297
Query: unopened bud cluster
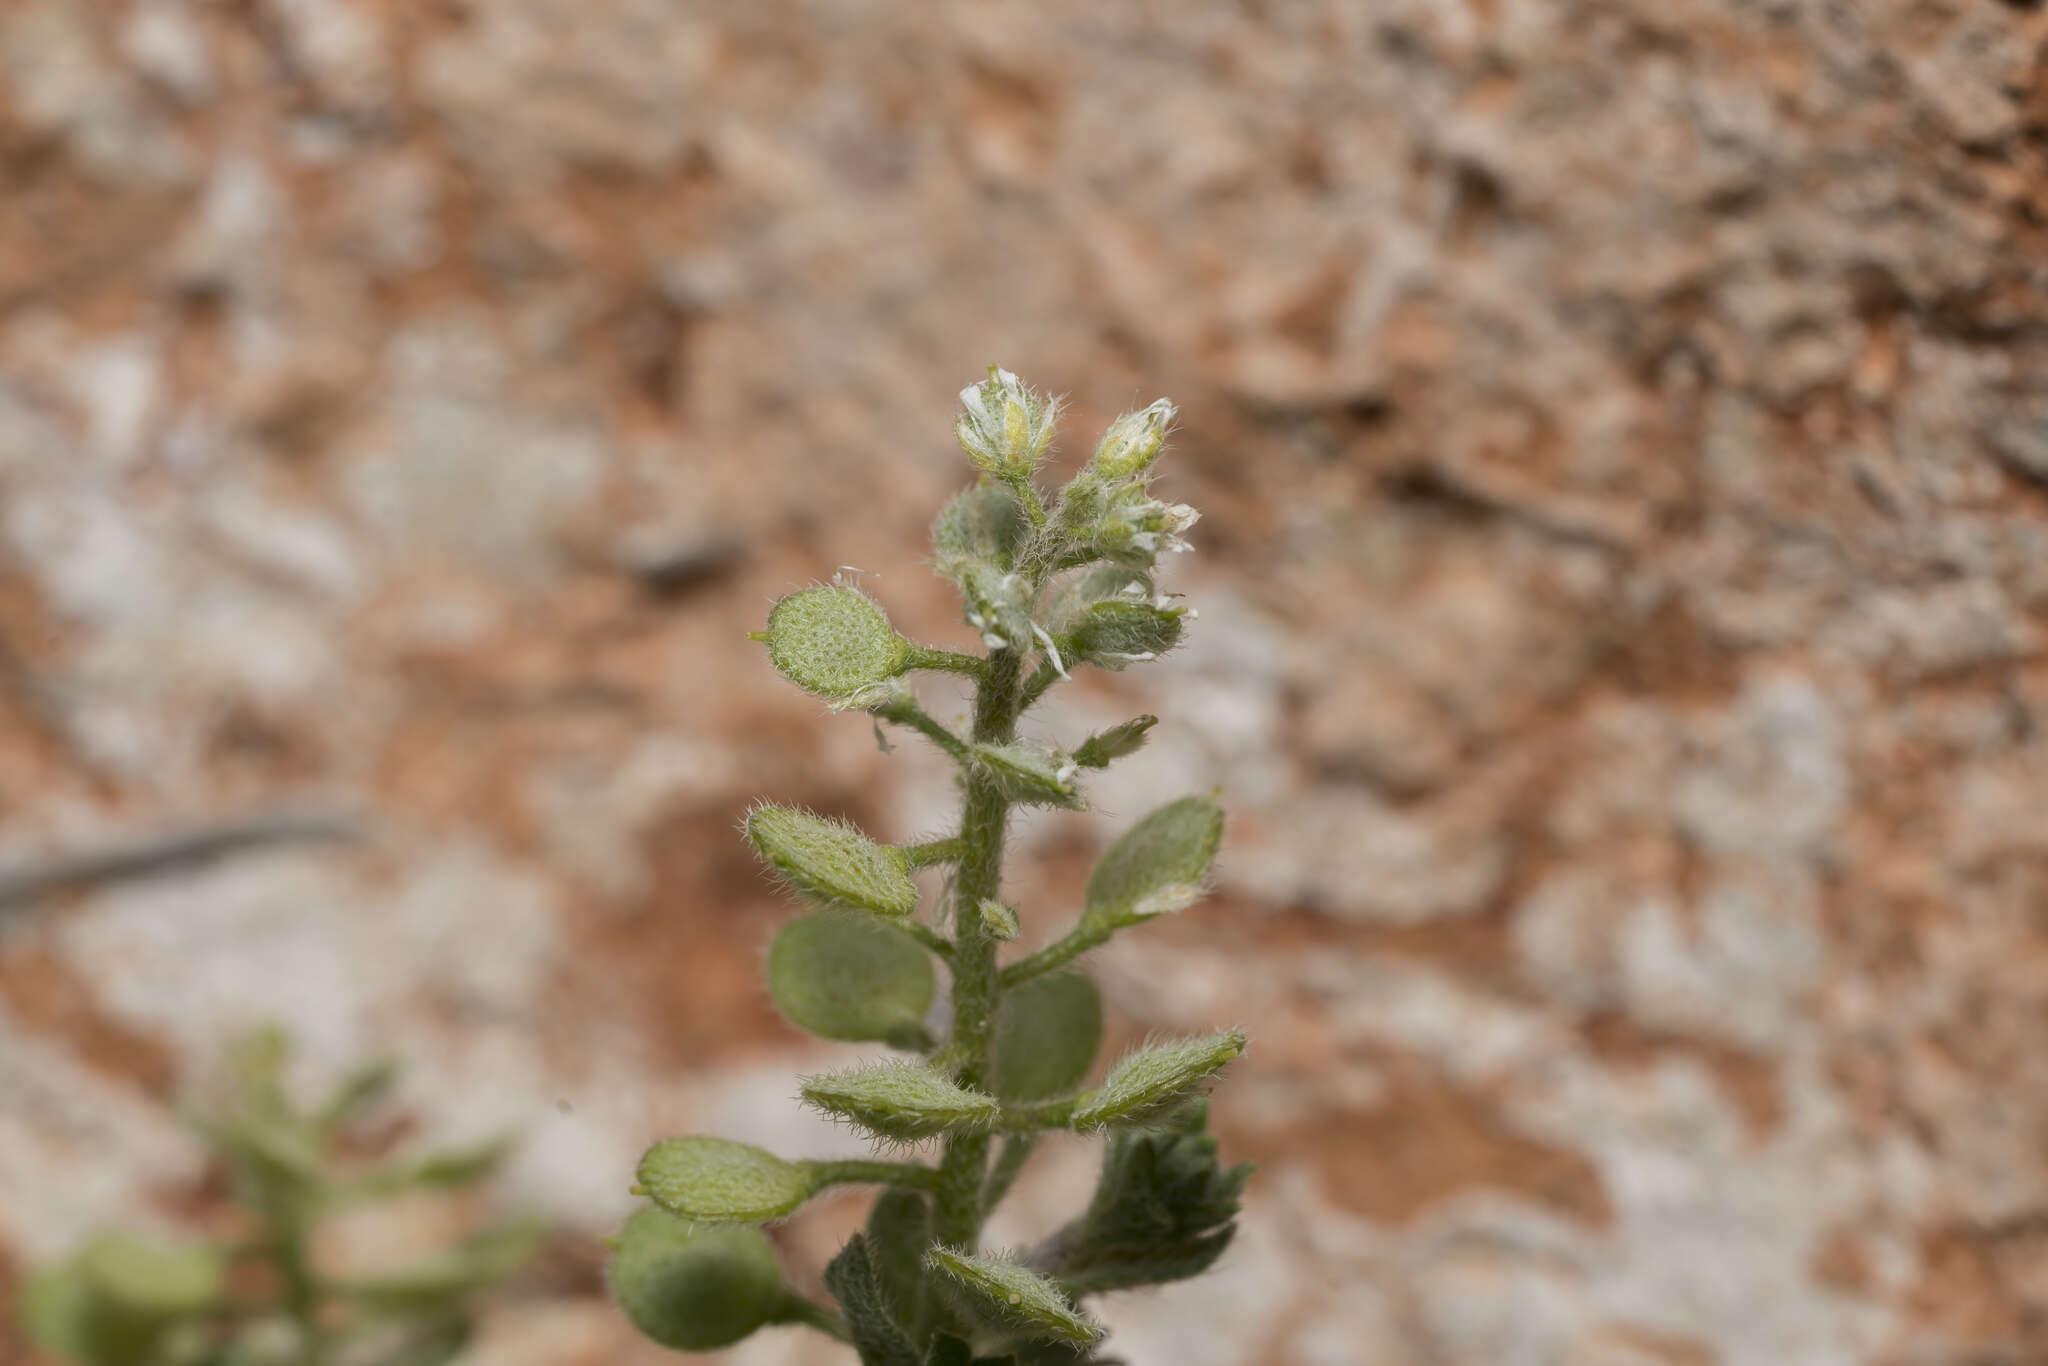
1045	589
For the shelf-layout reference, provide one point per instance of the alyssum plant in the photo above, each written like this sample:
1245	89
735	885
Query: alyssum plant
261	1296
1048	591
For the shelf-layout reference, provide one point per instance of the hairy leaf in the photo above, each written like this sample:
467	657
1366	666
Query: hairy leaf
877	1336
695	1287
905	1101
724	1181
834	641
1159	863
850	977
832	861
1164	1210
1016	1295
1152	1080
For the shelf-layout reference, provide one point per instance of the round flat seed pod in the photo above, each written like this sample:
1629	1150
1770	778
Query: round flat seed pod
847	976
695	1287
1047	1033
719	1179
1158	864
832	861
834	642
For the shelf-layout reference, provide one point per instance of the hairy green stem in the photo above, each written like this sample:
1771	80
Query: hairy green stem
798	1309
946	661
909	1174
926	854
982	826
907	713
1016	1151
929	937
1059	953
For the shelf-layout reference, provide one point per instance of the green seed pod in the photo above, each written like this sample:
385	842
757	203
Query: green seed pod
1150	1083
695	1287
1111	635
1015	1294
724	1181
832	861
850	977
834	642
1158	865
905	1101
1047	1032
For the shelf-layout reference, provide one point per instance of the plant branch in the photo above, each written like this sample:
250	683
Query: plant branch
856	1173
1016	1152
1059	953
904	711
947	661
929	937
947	850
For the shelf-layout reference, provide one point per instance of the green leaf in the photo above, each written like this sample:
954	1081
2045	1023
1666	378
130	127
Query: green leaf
851	977
906	1101
718	1179
440	1281
358	1091
695	1287
1152	1080
834	642
877	1336
1098	749
55	1312
1030	773
1158	865
1046	1034
948	1350
985	523
1164	1210
1015	1295
832	861
899	1229
445	1169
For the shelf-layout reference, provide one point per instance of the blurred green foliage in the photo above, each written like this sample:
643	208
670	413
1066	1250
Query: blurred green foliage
260	1297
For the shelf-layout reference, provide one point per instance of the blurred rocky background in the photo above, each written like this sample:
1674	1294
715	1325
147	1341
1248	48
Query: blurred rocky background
1622	430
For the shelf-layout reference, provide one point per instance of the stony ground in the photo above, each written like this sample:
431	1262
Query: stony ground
1623	434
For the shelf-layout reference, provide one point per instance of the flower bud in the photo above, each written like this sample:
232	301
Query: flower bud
1004	427
1133	441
